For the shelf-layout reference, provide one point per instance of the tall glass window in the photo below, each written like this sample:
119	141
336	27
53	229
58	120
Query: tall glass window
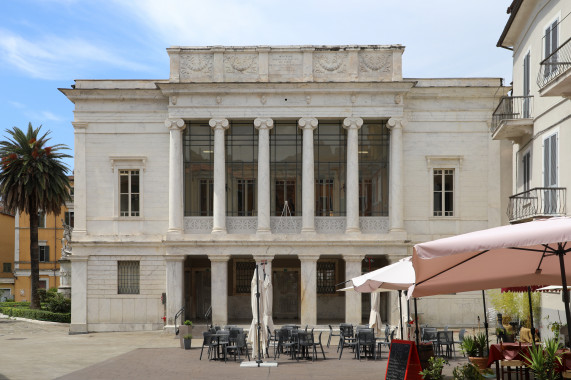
241	169
330	141
285	168
443	191
374	169
198	147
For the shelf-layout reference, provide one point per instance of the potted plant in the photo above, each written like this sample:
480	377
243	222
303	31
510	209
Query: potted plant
544	361
187	339
467	371
475	348
434	369
184	329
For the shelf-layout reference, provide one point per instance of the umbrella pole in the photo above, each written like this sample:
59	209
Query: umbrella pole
531	315
258	306
400	315
561	253
416	324
407	313
486	321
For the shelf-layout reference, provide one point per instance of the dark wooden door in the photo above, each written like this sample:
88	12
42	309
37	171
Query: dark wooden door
203	293
286	295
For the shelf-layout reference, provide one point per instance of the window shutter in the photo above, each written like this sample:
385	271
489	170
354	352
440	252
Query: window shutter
554	38
553	162
47	250
546	149
526	75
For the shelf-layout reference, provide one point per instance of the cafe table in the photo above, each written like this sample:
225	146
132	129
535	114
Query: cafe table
507	351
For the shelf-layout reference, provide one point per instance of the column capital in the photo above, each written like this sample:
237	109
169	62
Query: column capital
263	123
175	124
175	258
219	258
219	123
352	123
258	258
79	124
396	123
307	123
306	257
354	258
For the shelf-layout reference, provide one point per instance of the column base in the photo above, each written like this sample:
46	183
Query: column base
218	231
308	231
77	328
353	230
174	231
264	231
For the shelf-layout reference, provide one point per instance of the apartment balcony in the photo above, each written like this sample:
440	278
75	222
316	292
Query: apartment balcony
536	203
512	118
554	78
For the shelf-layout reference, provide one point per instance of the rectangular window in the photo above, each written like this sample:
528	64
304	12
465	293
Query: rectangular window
551	42
326	278
7	267
246	197
41	219
365	197
44	283
69	218
244	270
526	101
285	192
526	166
324	197
129	192
206	196
128	277
44	253
443	188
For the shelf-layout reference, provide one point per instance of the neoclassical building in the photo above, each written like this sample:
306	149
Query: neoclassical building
321	162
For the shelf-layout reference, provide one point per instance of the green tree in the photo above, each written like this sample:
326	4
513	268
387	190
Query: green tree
33	179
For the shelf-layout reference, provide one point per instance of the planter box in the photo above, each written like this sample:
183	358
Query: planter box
182	331
187	344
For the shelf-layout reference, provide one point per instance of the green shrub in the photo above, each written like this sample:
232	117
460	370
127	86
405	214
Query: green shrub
434	369
188	323
467	372
57	303
41	315
14	304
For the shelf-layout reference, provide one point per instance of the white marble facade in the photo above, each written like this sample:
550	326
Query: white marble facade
139	125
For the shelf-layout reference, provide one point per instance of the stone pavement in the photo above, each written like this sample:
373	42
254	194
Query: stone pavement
43	350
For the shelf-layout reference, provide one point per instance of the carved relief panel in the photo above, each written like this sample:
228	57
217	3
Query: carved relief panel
377	65
329	64
241	66
196	67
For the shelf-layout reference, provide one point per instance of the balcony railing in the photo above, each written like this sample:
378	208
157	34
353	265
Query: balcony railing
511	108
555	64
537	202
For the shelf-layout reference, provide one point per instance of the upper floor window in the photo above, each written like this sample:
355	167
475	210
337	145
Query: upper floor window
198	157
41	219
550	46
7	267
44	253
129	193
526	170
285	168
374	140
69	218
443	191
330	146
526	77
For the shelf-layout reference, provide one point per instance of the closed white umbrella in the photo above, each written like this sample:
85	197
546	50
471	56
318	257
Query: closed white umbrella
267	320
375	317
253	333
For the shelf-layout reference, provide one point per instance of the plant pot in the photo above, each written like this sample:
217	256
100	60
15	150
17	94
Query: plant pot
479	362
187	343
182	331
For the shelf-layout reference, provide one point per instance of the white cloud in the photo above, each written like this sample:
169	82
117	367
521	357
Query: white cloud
52	57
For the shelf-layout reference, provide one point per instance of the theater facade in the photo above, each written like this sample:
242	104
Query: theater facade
317	162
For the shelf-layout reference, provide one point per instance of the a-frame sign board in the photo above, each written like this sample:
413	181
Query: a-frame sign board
403	363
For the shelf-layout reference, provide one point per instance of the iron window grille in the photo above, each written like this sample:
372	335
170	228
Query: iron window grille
326	278
244	272
128	277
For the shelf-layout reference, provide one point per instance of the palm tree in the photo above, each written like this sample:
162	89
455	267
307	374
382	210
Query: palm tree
33	179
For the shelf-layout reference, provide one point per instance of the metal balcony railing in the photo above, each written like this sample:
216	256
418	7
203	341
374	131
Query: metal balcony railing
512	107
537	202
555	64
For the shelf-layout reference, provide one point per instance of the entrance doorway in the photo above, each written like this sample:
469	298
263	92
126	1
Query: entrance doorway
202	293
286	294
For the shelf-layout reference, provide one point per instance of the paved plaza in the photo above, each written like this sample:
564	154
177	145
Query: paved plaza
43	350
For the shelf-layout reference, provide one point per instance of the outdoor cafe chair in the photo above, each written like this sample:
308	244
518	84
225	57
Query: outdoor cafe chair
285	342
305	345
207	341
388	339
237	347
272	341
444	340
366	343
318	343
461	338
346	340
331	333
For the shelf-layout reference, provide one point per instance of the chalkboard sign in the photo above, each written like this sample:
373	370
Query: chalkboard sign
403	363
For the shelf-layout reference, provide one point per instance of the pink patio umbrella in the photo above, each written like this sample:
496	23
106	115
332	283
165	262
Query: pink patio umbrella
532	253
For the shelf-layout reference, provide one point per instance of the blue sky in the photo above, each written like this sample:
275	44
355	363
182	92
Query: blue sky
47	44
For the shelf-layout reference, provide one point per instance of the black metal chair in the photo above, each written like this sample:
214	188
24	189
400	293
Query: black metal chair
285	343
389	336
366	343
444	339
347	339
237	347
272	341
331	333
318	343
207	341
305	344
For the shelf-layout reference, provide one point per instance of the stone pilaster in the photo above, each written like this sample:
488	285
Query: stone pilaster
308	289
263	125
219	288
80	180
175	295
308	124
396	197
176	175
352	125
219	201
353	266
78	295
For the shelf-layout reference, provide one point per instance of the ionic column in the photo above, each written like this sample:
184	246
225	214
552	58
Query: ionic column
353	266
396	197
176	175
219	202
308	124
263	125
219	288
352	125
174	286
308	289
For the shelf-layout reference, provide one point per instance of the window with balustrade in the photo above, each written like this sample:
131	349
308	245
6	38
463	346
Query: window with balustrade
285	168
198	157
